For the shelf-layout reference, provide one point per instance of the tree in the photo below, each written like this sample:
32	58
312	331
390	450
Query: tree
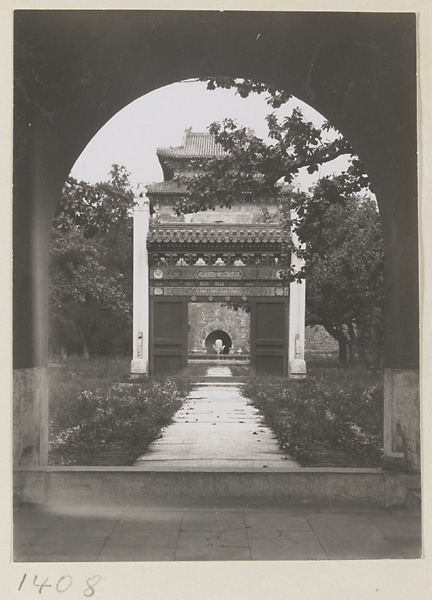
345	279
344	268
255	168
96	209
90	286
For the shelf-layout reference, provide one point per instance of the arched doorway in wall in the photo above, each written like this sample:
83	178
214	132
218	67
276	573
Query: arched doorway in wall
352	83
227	342
236	216
236	324
218	342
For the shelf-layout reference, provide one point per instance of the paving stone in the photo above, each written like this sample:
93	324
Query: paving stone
68	527
25	537
397	525
403	532
63	550
215	553
215	521
407	549
285	545
211	545
268	521
147	538
229	537
151	520
135	553
34	520
407	546
351	537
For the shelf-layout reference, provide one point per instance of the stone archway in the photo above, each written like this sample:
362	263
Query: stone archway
72	77
218	336
217	326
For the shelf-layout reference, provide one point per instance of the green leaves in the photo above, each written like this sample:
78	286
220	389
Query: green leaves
95	208
340	232
90	285
244	87
345	262
91	417
252	169
333	410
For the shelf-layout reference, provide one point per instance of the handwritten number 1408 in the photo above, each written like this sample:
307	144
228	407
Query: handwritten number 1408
62	585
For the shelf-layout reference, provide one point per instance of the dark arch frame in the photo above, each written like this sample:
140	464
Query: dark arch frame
216	325
224	336
75	69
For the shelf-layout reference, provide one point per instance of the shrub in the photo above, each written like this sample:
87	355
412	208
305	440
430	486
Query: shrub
334	409
87	421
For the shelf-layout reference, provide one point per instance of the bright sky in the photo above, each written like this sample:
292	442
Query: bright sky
160	118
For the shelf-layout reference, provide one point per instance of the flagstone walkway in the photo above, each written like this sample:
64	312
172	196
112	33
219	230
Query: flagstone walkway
45	534
216	429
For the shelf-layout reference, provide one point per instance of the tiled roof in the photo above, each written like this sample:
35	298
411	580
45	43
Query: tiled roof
195	145
165	187
194	234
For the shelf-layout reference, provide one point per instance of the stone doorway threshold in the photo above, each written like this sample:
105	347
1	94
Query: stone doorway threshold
216	371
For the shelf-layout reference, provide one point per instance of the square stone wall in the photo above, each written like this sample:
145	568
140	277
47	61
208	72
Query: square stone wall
402	414
30	417
203	315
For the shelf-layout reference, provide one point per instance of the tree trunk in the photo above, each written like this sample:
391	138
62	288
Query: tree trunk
351	352
380	361
363	358
342	339
342	351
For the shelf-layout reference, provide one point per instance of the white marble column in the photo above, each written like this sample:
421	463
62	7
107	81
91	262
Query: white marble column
141	322
296	337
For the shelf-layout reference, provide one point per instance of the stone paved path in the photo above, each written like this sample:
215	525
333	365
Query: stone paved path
216	429
45	534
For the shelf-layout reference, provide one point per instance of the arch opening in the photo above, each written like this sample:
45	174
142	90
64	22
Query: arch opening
132	134
153	116
218	342
385	150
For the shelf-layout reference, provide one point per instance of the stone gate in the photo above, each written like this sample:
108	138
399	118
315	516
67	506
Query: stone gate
227	256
